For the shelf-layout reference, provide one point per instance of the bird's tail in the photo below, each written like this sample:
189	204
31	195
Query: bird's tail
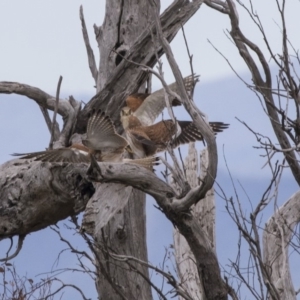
37	155
218	126
147	162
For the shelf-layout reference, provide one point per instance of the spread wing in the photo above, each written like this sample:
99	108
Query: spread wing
161	132
190	133
101	133
71	155
154	104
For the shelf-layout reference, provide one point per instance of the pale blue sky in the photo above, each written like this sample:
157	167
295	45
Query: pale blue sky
41	40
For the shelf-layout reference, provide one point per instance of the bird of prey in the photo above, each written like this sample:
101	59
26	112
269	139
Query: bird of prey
147	107
102	142
148	140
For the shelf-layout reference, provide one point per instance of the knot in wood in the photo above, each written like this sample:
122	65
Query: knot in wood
145	185
169	195
121	233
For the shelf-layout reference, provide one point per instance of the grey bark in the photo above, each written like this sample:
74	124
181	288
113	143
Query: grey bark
35	195
118	35
189	227
125	233
204	213
277	237
142	51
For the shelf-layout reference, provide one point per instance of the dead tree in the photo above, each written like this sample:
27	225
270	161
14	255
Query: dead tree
35	195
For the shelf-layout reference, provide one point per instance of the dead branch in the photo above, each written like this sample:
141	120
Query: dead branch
249	231
56	131
89	50
197	119
63	286
67	109
184	221
217	5
262	86
19	247
55	112
40	97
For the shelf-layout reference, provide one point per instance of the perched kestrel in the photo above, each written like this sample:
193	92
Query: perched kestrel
147	107
148	140
102	142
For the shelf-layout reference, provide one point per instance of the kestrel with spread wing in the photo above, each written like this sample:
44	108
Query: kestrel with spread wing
102	142
147	107
148	140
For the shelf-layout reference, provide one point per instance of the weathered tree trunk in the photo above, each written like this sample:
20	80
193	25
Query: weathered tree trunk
204	213
126	232
277	237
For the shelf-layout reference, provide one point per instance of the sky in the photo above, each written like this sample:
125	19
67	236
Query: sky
41	40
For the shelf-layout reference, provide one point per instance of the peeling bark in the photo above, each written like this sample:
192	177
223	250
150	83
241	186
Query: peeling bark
34	195
278	234
204	213
116	215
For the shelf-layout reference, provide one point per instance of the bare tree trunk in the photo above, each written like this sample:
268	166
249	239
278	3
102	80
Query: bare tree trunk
277	238
126	232
204	212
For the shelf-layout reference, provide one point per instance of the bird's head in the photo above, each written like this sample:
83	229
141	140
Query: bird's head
126	111
125	114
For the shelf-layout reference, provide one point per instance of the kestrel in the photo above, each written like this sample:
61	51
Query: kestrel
147	107
102	142
148	140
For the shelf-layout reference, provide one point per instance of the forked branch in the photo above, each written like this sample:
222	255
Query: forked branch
67	109
264	87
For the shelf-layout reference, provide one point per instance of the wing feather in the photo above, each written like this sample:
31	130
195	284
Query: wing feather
70	155
101	133
190	133
155	103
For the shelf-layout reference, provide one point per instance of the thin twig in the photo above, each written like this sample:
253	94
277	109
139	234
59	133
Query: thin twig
49	123
89	50
190	60
19	247
55	112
